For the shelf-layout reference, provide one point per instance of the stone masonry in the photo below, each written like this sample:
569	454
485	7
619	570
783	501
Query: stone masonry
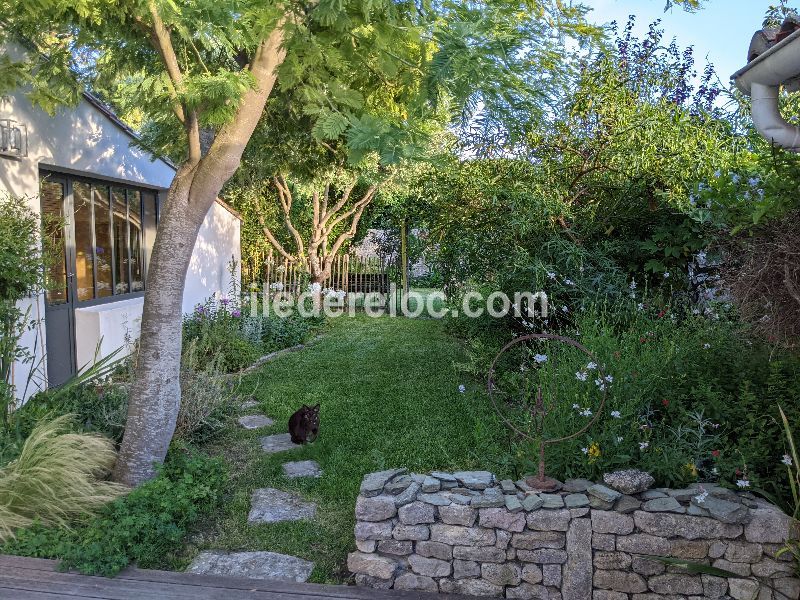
467	533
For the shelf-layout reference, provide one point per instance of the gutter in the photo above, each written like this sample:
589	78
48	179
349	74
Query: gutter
762	79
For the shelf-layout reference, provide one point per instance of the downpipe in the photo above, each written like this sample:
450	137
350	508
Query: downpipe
768	120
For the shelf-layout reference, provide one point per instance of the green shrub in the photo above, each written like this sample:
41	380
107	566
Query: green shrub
146	527
57	478
692	398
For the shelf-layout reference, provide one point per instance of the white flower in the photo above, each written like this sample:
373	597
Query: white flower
585	450
619	439
743	483
644	445
564	309
616	414
706	346
568	282
581	375
717	173
600	384
315	288
695	311
787	460
586	412
666	274
609	379
715	471
551	275
633	285
640	306
702	496
591	366
576	406
540	358
462	388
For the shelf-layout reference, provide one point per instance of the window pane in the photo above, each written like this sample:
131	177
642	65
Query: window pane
135	231
53	217
149	202
102	239
84	261
120	242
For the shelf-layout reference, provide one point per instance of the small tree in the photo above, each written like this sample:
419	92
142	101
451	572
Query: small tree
21	276
334	222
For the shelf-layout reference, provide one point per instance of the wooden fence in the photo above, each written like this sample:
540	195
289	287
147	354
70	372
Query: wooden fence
350	273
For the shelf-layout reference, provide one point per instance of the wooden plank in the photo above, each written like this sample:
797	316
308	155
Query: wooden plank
123	588
17	594
32	569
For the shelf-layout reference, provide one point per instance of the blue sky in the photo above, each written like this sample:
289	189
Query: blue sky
720	32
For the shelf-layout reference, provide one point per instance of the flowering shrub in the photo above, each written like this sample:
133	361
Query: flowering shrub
228	333
689	397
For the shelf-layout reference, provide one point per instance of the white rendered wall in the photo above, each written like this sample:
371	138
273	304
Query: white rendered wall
104	328
217	243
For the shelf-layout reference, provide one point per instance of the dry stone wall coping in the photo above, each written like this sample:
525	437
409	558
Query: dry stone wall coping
468	533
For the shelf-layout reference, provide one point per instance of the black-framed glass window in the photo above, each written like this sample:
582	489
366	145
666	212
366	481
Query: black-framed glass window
53	215
113	228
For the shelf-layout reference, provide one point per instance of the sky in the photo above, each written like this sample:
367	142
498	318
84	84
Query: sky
720	32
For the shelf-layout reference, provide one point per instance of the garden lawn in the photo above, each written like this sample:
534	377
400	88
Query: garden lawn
390	398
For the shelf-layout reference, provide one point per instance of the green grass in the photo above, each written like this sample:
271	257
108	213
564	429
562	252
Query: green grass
389	396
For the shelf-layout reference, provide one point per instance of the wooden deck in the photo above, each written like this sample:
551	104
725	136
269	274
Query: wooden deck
38	579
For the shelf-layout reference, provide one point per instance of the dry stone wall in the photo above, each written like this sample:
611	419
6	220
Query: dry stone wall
467	533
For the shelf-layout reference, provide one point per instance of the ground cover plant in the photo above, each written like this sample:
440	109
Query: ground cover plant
147	526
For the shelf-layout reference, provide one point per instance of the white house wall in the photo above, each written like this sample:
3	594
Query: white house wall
84	140
218	242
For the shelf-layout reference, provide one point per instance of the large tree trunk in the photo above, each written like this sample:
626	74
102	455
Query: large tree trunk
156	394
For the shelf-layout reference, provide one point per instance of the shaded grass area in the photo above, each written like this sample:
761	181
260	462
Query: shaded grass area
389	396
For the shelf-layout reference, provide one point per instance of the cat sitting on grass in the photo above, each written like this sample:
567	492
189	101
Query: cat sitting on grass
304	424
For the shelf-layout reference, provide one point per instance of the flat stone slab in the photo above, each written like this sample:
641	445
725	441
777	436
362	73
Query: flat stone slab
280	442
255	421
252	565
302	468
268	505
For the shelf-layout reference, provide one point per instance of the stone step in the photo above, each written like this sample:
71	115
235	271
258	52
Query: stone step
255	421
280	442
248	404
302	468
268	505
252	565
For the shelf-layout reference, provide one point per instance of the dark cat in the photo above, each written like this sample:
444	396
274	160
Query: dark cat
304	424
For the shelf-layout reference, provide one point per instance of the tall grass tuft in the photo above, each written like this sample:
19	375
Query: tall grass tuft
57	478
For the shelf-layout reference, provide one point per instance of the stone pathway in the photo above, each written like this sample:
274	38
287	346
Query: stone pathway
253	565
267	505
255	421
302	468
280	442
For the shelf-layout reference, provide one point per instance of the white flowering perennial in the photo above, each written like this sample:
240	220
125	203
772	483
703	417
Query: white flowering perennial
787	460
644	445
616	414
462	388
586	412
581	375
743	483
540	358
